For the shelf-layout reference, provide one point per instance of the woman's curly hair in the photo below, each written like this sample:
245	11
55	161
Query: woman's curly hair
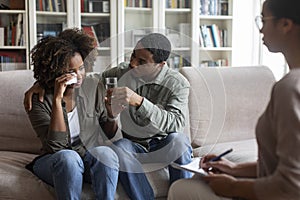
51	56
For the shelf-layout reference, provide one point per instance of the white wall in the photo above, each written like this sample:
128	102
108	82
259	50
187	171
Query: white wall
245	34
248	48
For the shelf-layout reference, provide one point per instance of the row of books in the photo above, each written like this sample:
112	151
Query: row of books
138	3
12	34
215	63
178	3
213	7
51	5
212	36
95	6
12	56
100	31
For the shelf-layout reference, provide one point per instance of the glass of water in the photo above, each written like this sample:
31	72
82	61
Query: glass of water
111	82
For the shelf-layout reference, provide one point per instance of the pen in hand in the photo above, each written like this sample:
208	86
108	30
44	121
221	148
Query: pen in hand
220	156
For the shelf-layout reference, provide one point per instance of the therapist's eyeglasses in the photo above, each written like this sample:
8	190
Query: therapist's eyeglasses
260	20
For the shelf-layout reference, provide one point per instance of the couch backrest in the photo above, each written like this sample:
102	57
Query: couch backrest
16	133
226	102
224	105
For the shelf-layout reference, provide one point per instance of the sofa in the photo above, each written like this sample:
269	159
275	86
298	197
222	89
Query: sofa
224	105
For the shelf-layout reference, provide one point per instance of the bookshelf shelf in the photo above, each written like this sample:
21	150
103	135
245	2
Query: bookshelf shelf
13	47
180	22
215	22
215	49
14	35
181	49
137	10
215	17
95	14
12	11
48	13
176	10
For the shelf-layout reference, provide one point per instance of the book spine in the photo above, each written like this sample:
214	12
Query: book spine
19	29
215	35
201	41
2	36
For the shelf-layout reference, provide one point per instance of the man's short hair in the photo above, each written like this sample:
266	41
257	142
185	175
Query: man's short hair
158	44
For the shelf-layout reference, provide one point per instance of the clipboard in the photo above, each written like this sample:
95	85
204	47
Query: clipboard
191	167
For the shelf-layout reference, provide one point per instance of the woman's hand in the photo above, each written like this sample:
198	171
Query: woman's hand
61	85
221	184
221	166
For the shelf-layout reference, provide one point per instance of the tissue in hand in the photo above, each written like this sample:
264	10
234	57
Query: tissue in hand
73	80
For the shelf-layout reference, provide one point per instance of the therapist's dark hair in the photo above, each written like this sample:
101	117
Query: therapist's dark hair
285	9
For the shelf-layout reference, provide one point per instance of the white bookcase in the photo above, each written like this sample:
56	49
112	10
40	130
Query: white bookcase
223	22
105	21
127	23
182	25
13	35
134	21
79	14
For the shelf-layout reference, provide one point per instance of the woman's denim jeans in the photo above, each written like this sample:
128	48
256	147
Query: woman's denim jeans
66	171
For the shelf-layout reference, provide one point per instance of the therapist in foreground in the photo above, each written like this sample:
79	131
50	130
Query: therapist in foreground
276	174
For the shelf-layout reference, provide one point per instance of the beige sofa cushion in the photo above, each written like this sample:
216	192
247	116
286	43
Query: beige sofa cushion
225	102
16	133
243	151
16	182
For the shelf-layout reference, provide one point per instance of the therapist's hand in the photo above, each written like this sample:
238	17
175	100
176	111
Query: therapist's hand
221	184
221	166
